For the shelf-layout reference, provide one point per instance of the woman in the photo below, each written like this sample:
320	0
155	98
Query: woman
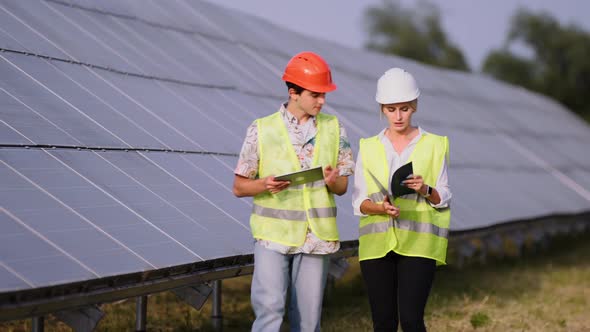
401	242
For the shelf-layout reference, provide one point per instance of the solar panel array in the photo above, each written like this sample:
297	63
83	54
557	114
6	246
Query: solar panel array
121	123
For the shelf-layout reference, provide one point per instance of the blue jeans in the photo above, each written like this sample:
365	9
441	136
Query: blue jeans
273	274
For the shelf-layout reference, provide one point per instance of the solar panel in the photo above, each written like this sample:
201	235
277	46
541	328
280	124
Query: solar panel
23	37
121	123
111	89
25	74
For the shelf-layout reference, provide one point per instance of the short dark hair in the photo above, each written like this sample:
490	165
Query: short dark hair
298	89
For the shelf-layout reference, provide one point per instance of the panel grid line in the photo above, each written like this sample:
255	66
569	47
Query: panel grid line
41	236
69	208
124	205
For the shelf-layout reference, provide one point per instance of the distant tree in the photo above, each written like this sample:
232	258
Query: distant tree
559	67
511	68
412	33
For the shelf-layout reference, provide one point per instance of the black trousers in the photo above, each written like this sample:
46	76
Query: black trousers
398	288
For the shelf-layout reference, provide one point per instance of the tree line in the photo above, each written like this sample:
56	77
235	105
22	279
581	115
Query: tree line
559	64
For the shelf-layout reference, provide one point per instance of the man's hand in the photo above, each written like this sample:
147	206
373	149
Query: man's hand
244	186
330	175
274	186
336	184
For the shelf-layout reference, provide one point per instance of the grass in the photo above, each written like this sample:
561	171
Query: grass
545	291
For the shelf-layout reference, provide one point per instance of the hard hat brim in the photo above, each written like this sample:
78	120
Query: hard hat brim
311	87
386	101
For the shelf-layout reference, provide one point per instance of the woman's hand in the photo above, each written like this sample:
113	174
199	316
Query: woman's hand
370	208
390	209
416	183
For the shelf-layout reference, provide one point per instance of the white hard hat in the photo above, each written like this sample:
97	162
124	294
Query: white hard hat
396	86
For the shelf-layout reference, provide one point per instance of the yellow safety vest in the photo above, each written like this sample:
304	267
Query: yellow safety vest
285	216
420	230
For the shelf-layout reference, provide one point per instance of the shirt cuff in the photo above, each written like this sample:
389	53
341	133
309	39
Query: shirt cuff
444	199
356	208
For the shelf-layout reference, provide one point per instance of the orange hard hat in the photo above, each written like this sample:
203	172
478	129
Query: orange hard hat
309	71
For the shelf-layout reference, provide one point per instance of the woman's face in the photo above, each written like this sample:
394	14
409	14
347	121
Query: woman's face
399	116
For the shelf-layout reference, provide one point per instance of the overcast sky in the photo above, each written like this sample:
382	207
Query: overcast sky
476	27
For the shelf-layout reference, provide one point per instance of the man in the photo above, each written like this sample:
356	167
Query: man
294	226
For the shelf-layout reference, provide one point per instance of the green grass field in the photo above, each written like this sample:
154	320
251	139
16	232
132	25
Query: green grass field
544	291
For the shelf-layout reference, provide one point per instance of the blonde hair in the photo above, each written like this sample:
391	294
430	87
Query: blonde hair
413	105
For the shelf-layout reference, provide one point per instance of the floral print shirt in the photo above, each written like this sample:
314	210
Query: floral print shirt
302	137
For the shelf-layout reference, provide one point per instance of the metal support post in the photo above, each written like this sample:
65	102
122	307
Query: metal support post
37	324
216	316
140	313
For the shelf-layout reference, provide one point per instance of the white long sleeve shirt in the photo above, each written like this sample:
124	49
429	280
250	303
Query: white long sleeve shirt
395	161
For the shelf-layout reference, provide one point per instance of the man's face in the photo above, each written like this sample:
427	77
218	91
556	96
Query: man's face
310	102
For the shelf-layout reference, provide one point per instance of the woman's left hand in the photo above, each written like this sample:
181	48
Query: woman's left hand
415	182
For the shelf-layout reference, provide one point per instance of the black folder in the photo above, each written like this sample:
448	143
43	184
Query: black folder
402	173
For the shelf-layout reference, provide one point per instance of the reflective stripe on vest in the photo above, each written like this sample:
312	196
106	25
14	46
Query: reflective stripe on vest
294	215
420	230
407	225
284	217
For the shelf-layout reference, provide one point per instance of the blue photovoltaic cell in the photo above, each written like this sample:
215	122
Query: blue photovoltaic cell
83	101
350	93
253	73
51	25
517	201
29	125
458	113
69	230
44	270
213	14
37	247
23	37
101	85
10	282
111	7
249	108
38	262
177	209
168	118
44	102
220	122
484	149
182	16
176	54
79	196
101	28
359	124
6	40
131	48
582	177
139	217
199	126
7	134
201	172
